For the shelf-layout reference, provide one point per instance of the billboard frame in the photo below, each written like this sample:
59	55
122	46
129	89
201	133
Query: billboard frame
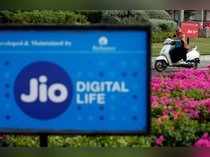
146	29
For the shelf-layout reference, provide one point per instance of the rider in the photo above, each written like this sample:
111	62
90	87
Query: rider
181	47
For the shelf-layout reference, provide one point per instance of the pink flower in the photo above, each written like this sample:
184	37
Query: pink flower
159	141
203	142
206	136
154	100
176	115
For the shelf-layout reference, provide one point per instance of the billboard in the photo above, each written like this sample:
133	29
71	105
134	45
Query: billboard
190	29
74	79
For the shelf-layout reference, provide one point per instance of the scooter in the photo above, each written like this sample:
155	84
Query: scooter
164	59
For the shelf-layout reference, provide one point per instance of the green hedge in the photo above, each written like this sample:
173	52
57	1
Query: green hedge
124	17
158	14
135	16
160	20
159	37
92	16
81	141
159	25
42	17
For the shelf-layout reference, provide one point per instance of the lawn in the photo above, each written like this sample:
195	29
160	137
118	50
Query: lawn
203	45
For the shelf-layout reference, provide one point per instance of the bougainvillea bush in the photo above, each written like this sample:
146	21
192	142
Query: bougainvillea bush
180	103
181	108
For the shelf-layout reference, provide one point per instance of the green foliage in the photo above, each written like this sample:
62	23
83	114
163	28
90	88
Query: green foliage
157	111
195	93
159	37
3	141
185	131
43	17
158	14
124	17
83	141
92	16
23	141
160	18
204	115
159	25
180	132
176	93
203	127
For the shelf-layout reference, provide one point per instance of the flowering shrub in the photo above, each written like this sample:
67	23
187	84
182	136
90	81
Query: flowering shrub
181	108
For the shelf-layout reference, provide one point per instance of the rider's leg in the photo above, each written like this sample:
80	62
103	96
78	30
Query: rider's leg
185	54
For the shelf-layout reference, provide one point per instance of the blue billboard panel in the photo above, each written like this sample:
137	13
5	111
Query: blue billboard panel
82	80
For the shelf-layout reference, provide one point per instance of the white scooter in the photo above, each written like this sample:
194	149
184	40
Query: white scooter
164	59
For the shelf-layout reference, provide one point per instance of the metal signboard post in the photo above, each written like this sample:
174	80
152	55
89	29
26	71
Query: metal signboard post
74	80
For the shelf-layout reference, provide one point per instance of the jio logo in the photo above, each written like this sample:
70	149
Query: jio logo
43	90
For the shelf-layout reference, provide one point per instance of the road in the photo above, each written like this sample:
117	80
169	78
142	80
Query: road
204	62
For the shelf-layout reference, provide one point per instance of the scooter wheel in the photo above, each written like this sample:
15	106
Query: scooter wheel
196	62
195	65
160	65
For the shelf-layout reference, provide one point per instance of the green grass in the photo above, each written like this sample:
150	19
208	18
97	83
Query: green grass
203	45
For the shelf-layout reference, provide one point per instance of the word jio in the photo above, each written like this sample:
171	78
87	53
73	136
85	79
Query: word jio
39	91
